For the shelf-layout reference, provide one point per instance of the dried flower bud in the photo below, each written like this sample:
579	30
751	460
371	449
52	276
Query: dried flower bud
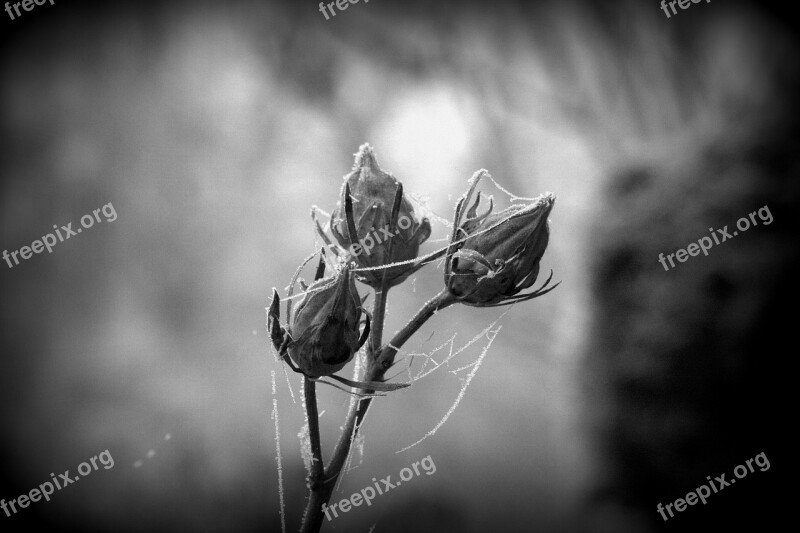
375	223
325	331
494	256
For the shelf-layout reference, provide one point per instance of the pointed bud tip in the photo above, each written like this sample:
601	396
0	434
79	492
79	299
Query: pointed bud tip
548	199
477	175
365	158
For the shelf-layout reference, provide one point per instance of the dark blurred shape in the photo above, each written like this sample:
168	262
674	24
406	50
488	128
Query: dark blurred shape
695	362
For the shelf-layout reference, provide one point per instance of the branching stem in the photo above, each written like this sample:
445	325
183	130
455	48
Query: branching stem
378	362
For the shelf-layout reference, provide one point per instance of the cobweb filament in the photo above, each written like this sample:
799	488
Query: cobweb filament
278	453
464	386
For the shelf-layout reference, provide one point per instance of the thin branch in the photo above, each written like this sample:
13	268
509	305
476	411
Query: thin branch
378	315
388	353
310	391
312	522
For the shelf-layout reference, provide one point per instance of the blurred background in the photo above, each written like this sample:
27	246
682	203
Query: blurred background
213	127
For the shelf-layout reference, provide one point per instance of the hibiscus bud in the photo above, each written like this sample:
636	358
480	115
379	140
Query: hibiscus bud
494	256
376	223
325	331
